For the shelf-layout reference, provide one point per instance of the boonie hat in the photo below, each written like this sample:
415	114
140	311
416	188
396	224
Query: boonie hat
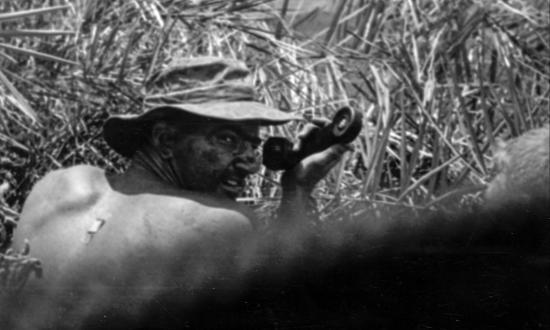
210	87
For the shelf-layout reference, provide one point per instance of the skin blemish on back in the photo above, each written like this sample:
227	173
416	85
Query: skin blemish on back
94	229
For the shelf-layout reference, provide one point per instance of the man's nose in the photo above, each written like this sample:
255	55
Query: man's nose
250	159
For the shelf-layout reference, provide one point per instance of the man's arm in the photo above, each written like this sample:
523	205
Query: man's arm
296	207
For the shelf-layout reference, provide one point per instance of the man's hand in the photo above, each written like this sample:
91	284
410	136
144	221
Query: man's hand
297	183
315	167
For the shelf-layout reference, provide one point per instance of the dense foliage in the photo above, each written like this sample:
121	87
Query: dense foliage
437	81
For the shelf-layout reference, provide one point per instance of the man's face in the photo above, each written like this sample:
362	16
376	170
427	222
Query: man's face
217	157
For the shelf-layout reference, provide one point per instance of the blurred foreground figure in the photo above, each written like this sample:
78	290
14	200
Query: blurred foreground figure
109	244
522	167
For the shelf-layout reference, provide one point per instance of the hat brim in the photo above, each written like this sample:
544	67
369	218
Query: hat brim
126	133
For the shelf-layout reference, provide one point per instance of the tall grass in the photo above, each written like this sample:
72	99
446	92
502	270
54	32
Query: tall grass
437	81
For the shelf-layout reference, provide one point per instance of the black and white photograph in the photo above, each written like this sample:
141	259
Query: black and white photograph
275	164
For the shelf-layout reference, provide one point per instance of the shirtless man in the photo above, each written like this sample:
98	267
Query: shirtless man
169	222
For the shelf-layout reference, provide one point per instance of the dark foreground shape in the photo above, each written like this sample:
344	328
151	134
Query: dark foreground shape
484	271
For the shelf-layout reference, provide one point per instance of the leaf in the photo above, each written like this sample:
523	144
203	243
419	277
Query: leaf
24	13
34	53
35	33
21	102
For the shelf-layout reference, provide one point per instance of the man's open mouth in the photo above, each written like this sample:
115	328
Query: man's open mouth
233	185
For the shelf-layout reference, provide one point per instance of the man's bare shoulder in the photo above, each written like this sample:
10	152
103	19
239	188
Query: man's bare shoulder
67	190
69	184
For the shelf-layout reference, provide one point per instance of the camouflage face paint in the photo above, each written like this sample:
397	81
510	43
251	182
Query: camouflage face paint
209	165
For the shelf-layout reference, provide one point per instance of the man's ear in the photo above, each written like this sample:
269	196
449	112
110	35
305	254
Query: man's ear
163	138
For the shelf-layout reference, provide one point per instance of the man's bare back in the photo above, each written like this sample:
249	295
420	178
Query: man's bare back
101	237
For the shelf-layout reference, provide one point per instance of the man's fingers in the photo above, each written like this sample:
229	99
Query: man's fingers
320	121
305	132
307	129
330	155
315	167
319	164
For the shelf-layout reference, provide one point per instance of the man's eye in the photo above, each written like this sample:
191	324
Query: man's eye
227	139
